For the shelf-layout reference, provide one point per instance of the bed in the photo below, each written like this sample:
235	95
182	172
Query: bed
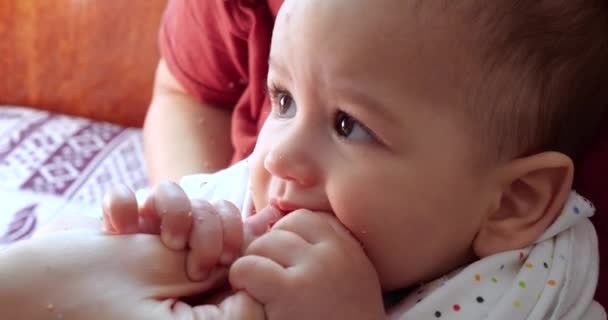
52	163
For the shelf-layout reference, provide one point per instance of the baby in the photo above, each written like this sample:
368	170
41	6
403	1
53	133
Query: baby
417	150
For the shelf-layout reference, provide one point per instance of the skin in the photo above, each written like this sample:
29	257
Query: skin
119	282
356	107
355	114
182	135
441	205
214	233
135	285
400	140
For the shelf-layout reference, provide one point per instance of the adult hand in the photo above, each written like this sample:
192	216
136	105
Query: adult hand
308	266
85	275
212	233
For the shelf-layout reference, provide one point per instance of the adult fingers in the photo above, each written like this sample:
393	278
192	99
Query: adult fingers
183	287
156	271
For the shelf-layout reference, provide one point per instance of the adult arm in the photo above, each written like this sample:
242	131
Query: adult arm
199	82
85	275
182	135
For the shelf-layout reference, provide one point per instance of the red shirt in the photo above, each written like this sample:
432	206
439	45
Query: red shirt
218	50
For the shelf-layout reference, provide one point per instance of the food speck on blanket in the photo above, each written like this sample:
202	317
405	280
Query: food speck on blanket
52	164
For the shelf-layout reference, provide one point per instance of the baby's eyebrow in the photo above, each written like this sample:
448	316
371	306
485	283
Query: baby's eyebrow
276	65
374	106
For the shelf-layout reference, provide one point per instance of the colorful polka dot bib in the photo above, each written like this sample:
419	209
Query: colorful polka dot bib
553	279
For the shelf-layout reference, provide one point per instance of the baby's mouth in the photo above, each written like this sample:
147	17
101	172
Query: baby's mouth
284	207
260	222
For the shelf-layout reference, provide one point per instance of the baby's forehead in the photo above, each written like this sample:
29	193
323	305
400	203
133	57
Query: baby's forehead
338	14
392	31
431	45
384	42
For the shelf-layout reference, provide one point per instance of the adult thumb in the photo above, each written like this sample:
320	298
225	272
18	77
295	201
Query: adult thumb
257	224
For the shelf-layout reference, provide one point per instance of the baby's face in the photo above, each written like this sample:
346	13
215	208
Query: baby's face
366	125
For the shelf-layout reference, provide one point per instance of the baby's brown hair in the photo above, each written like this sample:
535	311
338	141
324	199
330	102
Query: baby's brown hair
546	73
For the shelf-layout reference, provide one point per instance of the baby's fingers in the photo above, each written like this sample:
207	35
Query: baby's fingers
232	231
206	240
242	306
120	213
262	278
259	223
173	207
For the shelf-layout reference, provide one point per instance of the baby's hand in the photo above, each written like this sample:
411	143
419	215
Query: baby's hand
308	266
213	233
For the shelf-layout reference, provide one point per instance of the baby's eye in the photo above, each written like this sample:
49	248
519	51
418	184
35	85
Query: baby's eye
285	107
350	128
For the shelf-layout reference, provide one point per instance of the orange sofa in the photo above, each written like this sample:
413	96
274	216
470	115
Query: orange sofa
87	58
76	82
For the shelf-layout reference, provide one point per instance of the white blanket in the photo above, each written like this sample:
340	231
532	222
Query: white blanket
54	165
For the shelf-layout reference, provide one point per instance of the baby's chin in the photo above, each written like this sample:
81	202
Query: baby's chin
417	277
392	285
402	274
404	283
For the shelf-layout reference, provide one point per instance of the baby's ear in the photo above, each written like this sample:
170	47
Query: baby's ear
532	192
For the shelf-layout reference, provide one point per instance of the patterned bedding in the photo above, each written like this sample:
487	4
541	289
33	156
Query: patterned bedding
52	164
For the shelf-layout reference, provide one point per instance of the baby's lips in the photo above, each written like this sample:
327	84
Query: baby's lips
259	223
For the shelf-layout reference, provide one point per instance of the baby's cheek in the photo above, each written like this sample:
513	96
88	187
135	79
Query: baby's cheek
394	246
258	195
361	224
